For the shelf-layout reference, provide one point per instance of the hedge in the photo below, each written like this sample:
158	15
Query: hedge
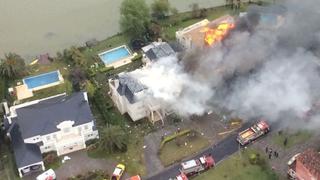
105	69
173	136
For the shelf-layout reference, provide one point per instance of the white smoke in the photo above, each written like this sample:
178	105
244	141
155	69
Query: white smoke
255	72
168	83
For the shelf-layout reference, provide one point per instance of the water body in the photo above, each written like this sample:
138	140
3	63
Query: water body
32	27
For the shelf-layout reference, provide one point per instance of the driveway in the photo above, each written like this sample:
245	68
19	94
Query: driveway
80	163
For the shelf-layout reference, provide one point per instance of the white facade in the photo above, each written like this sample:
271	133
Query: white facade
68	137
142	108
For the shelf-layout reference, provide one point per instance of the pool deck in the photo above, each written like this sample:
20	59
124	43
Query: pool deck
23	92
121	61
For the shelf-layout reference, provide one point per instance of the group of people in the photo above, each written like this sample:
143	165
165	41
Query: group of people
271	152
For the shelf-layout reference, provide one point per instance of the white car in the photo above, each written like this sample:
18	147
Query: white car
47	175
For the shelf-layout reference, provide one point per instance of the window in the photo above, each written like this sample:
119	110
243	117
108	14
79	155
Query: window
48	138
85	127
55	136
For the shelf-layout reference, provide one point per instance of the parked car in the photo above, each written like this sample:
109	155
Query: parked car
118	171
137	177
47	175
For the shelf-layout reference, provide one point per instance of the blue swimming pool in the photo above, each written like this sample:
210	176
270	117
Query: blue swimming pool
114	55
41	80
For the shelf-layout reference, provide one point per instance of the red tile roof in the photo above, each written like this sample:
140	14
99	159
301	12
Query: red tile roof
311	161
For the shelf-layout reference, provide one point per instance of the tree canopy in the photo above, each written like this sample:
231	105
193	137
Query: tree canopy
135	17
13	66
113	139
160	8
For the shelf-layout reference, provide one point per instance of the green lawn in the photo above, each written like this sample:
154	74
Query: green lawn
134	157
293	138
238	167
181	147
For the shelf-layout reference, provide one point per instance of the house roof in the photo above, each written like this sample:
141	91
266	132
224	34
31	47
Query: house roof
159	50
25	154
42	118
310	160
128	86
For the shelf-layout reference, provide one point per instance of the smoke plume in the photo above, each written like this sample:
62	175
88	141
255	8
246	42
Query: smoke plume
259	70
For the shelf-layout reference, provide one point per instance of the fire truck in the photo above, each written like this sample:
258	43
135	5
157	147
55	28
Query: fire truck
195	166
257	130
181	176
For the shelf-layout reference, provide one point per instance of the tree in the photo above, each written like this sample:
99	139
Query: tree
135	17
160	8
155	30
78	78
77	57
13	66
113	139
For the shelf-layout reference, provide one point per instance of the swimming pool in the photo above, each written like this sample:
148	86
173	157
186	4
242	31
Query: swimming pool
43	80
114	55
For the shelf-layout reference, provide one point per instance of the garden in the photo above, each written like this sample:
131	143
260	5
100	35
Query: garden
179	145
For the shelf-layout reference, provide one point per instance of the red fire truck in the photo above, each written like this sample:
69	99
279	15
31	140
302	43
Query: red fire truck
257	130
181	176
195	166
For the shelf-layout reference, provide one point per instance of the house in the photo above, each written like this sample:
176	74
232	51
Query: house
131	97
193	36
305	166
155	51
59	123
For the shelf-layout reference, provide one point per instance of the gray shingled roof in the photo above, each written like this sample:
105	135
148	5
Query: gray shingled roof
25	154
162	50
128	86
43	117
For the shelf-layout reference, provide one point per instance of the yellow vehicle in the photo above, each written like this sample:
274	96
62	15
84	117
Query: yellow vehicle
118	171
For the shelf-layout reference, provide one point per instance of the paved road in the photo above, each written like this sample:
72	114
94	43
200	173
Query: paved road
219	151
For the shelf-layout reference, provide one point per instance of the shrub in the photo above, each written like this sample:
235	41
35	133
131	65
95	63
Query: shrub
105	69
137	57
50	158
173	136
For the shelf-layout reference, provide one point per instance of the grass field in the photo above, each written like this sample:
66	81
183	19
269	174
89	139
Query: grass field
134	157
238	167
181	147
292	138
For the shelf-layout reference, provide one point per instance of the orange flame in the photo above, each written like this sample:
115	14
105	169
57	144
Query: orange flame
217	34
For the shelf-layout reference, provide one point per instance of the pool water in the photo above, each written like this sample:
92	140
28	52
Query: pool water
114	55
41	80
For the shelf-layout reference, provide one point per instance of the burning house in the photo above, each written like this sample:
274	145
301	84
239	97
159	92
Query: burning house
305	166
205	33
130	96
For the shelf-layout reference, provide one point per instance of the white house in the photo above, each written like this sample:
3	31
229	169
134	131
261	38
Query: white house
130	97
59	123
